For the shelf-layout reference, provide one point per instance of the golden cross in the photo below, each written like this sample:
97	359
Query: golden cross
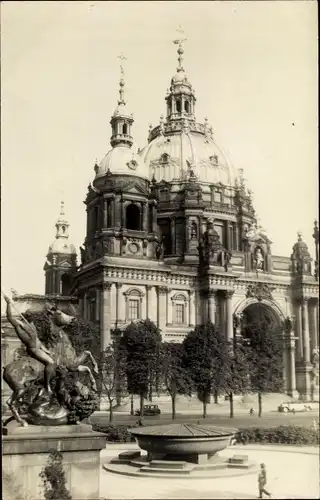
182	38
122	58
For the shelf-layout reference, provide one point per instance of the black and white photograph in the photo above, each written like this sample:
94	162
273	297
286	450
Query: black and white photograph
159	250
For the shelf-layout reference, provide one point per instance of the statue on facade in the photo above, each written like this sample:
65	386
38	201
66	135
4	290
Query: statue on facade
211	251
47	362
159	249
193	231
259	260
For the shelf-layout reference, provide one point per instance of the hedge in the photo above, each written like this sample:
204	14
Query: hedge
116	433
284	434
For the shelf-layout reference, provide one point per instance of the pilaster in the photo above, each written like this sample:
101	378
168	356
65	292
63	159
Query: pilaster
162	306
105	317
228	296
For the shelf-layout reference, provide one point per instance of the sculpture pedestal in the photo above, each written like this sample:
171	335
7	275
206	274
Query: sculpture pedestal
25	452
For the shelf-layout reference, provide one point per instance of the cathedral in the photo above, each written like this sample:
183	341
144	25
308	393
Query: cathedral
172	236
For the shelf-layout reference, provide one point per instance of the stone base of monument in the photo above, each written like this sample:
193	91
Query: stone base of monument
133	463
25	452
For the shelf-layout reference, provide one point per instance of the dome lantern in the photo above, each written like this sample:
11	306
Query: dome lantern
122	119
180	98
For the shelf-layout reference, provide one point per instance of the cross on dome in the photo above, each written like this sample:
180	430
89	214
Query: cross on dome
179	41
121	90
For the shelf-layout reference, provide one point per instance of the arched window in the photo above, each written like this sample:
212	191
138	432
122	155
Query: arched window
187	107
133	221
178	106
133	299
125	128
179	304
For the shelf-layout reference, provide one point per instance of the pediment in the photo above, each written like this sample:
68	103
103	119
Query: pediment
65	264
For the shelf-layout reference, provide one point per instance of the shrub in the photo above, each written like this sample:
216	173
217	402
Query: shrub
116	433
54	478
284	434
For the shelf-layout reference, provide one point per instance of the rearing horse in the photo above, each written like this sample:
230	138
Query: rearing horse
20	373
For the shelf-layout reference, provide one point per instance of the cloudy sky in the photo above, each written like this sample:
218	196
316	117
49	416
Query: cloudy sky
253	66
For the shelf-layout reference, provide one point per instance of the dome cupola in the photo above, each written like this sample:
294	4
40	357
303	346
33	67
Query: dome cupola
122	119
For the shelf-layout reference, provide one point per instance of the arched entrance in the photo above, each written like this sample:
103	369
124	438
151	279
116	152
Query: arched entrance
252	311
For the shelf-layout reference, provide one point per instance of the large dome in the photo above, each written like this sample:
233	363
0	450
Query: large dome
170	157
121	160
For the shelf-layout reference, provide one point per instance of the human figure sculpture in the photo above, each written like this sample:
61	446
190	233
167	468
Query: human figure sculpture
27	333
49	352
193	231
259	259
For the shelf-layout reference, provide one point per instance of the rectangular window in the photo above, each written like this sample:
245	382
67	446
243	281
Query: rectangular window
133	309
180	313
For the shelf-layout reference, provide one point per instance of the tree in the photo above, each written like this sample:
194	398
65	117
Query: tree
206	357
140	343
85	336
113	376
266	360
238	374
175	378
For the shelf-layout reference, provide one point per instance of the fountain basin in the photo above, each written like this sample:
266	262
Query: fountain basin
183	439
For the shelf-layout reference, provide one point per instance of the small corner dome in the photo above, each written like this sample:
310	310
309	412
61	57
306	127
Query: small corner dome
122	110
121	160
62	246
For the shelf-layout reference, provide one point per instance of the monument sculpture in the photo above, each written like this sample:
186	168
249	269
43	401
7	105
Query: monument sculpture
50	383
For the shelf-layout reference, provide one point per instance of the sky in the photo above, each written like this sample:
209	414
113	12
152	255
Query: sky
254	67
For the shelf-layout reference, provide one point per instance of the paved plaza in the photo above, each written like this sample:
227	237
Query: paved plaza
293	472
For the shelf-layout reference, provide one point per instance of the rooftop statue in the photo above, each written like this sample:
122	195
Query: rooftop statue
50	384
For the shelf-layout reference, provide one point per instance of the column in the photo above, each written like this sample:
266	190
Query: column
173	236
112	212
314	324
228	296
293	388
97	304
212	306
148	301
123	222
305	331
118	286
187	234
162	306
85	306
105	213
105	334
299	329
145	217
192	308
154	218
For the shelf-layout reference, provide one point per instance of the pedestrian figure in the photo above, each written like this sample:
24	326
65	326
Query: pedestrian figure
262	481
251	411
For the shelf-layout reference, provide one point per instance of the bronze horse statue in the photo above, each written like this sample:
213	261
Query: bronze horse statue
46	346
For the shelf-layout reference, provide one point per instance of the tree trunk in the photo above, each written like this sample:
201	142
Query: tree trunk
141	405
260	404
173	403
131	405
110	411
215	395
231	404
150	392
204	407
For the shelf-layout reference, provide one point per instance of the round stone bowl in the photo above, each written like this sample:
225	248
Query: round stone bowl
183	439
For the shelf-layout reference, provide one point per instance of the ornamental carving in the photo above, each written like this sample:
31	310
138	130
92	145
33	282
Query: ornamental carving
162	290
260	291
